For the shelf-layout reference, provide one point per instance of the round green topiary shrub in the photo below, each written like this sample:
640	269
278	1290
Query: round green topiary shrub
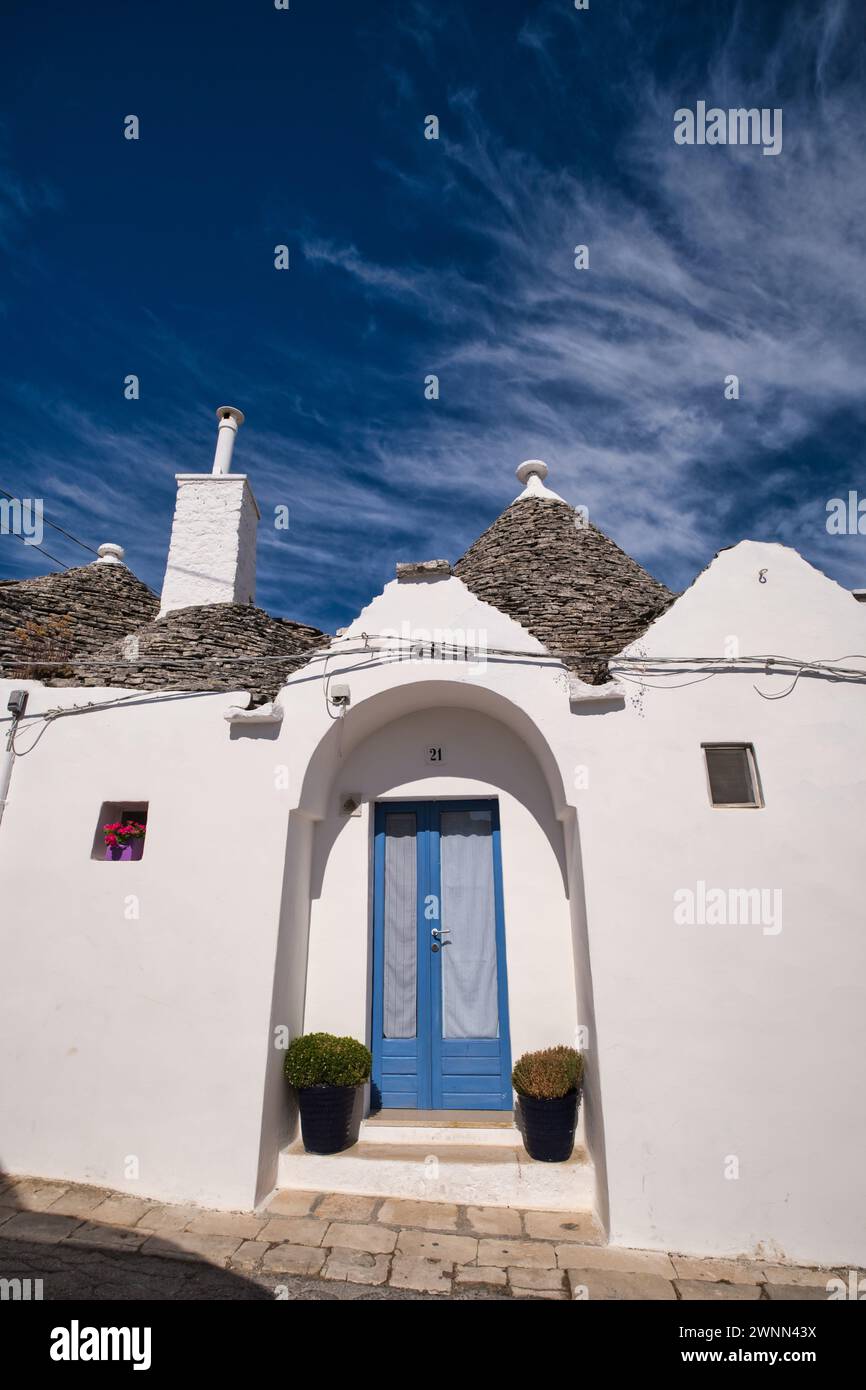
321	1059
548	1074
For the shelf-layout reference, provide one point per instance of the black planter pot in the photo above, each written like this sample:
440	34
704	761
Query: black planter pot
327	1118
548	1126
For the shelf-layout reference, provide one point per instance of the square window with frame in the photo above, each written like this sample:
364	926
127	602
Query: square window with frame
732	776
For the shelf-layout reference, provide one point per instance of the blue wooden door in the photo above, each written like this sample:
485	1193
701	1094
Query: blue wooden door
440	994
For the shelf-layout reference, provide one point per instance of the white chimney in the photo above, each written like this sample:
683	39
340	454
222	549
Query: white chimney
212	555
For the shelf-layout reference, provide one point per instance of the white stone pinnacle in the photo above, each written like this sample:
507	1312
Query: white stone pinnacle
532	474
109	554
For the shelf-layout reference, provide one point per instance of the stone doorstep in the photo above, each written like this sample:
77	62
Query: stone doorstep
484	1173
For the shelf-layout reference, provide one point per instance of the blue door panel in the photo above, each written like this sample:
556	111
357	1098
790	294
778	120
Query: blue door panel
485	1085
470	1047
476	1101
429	1071
399	1066
470	1066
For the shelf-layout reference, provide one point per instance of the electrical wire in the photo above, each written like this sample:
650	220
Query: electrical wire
54	525
31	545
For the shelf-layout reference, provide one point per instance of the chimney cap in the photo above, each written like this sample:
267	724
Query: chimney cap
230	412
109	554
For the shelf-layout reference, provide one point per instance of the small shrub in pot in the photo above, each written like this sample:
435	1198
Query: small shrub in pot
548	1084
326	1072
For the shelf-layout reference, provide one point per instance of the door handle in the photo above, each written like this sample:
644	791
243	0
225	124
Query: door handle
434	931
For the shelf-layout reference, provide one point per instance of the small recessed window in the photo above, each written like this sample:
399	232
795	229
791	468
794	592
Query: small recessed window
120	831
732	774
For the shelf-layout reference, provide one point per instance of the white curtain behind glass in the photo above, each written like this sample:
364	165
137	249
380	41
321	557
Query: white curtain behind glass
469	997
401	926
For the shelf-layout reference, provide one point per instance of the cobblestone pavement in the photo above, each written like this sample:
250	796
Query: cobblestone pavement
88	1243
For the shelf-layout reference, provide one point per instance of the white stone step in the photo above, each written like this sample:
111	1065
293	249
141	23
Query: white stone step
488	1173
378	1132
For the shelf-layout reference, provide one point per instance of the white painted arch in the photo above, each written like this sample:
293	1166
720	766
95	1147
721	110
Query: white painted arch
324	961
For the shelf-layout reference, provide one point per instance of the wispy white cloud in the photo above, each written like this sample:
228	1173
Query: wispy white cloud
716	262
703	263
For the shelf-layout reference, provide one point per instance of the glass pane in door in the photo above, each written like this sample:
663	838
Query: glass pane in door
400	927
468	923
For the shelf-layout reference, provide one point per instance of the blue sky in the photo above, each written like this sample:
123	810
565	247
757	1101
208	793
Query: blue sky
412	256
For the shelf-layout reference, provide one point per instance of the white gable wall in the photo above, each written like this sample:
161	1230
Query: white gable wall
726	1049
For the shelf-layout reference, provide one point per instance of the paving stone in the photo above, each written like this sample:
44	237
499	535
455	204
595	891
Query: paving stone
536	1278
287	1202
809	1293
294	1259
550	1295
369	1237
357	1267
481	1274
168	1218
561	1225
432	1246
189	1245
32	1194
341	1206
79	1201
298	1230
716	1271
425	1276
122	1210
793	1274
107	1237
692	1289
526	1253
248	1254
227	1223
615	1258
429	1216
608	1284
39	1226
494	1221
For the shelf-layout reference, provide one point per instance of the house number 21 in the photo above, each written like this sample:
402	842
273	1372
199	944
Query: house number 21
436	755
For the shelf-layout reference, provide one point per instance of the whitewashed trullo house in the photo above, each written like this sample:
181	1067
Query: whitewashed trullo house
633	839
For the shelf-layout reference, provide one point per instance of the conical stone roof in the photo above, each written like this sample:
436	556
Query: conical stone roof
74	613
565	581
211	646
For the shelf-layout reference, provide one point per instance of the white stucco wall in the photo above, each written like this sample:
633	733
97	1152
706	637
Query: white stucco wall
725	1049
212	553
143	1036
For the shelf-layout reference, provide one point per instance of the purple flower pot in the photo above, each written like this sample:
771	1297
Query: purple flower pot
133	850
